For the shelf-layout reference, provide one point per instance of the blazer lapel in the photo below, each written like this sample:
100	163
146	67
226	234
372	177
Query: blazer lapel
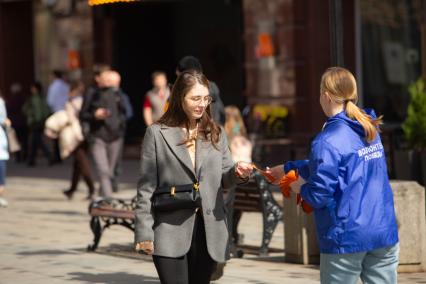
174	137
203	149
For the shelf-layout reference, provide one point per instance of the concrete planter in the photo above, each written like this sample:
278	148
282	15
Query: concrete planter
300	238
409	199
301	244
410	165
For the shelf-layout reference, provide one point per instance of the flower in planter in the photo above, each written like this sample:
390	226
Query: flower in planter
272	117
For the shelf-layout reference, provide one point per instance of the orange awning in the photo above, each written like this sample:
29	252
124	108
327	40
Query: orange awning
102	2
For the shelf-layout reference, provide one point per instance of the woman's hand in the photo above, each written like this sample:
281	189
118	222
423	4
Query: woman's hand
7	122
146	246
102	113
296	185
277	172
243	169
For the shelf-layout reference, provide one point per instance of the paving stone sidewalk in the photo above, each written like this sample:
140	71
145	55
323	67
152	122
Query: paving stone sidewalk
43	239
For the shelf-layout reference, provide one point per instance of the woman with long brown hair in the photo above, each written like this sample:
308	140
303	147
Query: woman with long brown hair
81	163
186	147
234	123
240	146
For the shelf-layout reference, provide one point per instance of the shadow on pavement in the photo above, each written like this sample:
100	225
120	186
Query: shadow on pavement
128	178
279	258
112	278
44	252
57	212
60	198
118	250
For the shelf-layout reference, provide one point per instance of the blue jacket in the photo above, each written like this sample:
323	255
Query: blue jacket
348	187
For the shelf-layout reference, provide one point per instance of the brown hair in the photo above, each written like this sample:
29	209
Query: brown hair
340	84
175	115
74	85
232	117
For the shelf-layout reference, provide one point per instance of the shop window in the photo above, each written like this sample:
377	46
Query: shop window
391	54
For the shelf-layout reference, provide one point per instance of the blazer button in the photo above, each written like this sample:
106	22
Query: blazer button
208	212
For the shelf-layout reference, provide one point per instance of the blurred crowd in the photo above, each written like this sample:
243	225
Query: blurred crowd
87	123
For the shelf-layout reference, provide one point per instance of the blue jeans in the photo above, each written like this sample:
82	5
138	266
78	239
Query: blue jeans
376	266
2	172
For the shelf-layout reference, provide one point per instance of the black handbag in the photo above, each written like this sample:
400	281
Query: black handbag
171	198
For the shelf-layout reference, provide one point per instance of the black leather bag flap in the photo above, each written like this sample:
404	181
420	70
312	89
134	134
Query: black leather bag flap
171	198
177	188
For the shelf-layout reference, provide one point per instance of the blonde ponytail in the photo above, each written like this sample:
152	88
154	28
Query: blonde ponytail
340	84
370	125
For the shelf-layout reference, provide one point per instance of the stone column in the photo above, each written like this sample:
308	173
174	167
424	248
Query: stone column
270	60
57	35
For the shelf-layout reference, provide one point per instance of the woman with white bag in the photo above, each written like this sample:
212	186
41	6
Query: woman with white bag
4	152
81	165
65	124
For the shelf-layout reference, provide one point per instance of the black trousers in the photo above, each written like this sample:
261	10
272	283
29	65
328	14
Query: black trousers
82	167
195	267
37	142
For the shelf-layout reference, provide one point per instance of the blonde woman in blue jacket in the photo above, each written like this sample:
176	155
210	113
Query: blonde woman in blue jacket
348	187
4	152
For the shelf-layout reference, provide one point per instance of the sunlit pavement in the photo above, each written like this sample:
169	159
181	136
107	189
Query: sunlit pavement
43	238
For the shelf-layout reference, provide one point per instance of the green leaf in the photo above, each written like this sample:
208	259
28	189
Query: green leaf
414	125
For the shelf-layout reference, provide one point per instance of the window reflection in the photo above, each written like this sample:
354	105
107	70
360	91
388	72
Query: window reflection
391	46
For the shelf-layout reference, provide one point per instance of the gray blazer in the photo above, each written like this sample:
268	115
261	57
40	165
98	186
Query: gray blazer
165	162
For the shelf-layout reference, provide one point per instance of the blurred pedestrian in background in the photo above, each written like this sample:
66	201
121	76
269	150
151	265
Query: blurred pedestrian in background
89	94
156	99
241	150
14	104
36	112
105	113
114	82
57	96
240	146
81	164
4	151
57	93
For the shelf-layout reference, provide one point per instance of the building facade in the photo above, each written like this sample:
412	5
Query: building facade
267	52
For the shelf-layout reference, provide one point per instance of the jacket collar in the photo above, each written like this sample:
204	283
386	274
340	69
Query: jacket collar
174	137
203	149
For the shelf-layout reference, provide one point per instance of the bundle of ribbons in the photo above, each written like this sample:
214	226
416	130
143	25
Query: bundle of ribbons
285	182
290	177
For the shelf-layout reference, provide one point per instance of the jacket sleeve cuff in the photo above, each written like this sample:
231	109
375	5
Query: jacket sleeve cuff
301	166
306	194
143	226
